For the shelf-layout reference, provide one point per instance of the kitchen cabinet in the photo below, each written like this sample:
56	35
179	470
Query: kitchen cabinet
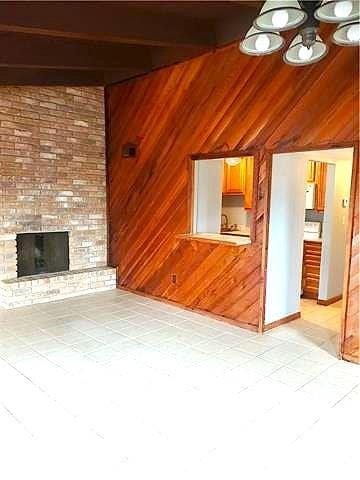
238	179
311	269
316	174
234	178
320	180
249	183
310	172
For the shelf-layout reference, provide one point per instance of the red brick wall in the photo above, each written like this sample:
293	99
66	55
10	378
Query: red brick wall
52	170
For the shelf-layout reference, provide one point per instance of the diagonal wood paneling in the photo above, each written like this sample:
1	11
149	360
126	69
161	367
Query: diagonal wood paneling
217	101
351	334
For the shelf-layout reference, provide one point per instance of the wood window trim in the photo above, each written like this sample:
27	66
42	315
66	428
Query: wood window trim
218	156
224	154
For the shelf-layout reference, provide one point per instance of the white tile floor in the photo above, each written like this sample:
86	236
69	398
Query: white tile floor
115	385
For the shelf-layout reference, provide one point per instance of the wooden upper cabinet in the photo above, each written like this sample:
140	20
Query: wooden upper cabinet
249	186
320	180
316	173
234	178
238	179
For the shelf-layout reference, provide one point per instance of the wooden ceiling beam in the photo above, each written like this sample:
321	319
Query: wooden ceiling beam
102	42
25	76
104	21
39	77
236	27
53	53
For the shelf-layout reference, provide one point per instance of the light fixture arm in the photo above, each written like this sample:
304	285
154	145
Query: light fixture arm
309	6
309	29
308	36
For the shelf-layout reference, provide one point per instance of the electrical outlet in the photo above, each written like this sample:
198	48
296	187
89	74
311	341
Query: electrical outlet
173	278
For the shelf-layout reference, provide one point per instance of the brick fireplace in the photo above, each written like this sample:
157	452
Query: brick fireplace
53	179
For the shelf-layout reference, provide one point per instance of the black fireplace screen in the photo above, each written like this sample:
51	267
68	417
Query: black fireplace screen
42	253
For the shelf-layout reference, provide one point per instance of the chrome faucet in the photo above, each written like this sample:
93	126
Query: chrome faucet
225	223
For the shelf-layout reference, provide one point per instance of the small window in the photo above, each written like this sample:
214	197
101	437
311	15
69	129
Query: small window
223	198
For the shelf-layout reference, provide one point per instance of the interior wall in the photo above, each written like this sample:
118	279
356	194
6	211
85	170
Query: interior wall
285	237
220	101
207	193
335	228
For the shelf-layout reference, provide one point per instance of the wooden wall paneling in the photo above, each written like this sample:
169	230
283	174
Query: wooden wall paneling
317	102
280	97
350	331
222	100
255	201
265	178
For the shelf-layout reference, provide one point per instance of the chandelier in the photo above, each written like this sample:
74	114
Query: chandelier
307	47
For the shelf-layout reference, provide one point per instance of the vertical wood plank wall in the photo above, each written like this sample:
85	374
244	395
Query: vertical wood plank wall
223	100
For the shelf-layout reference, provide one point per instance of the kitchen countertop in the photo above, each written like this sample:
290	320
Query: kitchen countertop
218	237
318	240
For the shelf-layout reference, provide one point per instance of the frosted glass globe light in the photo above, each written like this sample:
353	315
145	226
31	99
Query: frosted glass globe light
305	53
262	43
280	18
343	9
353	33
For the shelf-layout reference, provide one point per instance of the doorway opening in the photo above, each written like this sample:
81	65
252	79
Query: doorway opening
309	207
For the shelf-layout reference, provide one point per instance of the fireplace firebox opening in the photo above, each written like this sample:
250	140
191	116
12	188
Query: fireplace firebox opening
39	253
